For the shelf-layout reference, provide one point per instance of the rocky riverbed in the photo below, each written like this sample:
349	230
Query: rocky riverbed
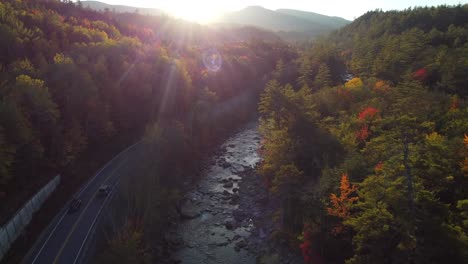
226	218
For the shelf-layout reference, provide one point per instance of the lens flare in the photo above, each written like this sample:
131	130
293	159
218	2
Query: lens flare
212	60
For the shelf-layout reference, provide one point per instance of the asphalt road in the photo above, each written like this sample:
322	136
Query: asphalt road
65	238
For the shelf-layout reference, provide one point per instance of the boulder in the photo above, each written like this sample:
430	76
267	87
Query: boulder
222	244
229	224
228	185
189	213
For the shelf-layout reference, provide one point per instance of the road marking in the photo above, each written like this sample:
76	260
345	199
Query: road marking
57	257
78	194
94	221
48	238
104	167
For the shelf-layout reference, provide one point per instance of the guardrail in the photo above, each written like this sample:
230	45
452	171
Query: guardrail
11	230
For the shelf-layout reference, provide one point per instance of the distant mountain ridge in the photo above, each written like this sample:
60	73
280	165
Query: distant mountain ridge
100	6
289	24
332	21
285	21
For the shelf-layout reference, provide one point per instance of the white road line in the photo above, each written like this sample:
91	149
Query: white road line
104	167
94	222
47	240
83	212
76	195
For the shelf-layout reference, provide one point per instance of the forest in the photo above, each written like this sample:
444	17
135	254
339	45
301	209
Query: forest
72	78
373	169
367	169
74	81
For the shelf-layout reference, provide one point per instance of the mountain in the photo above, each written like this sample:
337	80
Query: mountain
268	19
286	21
290	25
331	21
100	6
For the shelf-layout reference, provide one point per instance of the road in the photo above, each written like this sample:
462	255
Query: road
65	238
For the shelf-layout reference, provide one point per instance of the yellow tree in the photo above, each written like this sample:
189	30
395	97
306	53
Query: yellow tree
354	84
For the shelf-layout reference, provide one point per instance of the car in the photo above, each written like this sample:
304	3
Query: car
104	190
75	205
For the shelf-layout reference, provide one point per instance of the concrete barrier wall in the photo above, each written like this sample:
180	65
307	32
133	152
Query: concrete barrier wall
11	230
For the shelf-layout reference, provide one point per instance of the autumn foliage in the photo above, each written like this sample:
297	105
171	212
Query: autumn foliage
306	247
354	84
381	87
341	205
454	103
369	113
465	161
363	133
420	74
344	93
379	167
408	81
309	254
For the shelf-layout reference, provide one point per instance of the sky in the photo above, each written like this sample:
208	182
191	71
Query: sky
204	11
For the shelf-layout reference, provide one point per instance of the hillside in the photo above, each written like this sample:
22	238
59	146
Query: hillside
373	169
361	170
393	45
75	81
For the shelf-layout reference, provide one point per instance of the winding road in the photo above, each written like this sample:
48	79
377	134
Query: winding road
64	240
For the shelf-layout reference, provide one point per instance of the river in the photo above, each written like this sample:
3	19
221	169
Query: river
210	231
226	217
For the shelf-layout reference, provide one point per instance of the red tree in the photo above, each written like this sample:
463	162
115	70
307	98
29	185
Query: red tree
309	254
363	133
379	167
369	113
420	74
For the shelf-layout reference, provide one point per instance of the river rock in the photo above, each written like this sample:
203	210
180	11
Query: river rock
235	197
229	224
239	215
189	213
228	185
222	244
239	245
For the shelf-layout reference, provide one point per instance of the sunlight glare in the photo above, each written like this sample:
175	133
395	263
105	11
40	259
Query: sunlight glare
212	60
194	11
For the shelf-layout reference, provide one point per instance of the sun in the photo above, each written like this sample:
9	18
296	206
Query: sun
193	11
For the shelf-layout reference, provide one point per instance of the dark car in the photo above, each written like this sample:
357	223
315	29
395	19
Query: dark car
104	190
75	205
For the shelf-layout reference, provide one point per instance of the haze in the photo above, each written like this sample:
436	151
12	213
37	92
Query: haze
205	11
